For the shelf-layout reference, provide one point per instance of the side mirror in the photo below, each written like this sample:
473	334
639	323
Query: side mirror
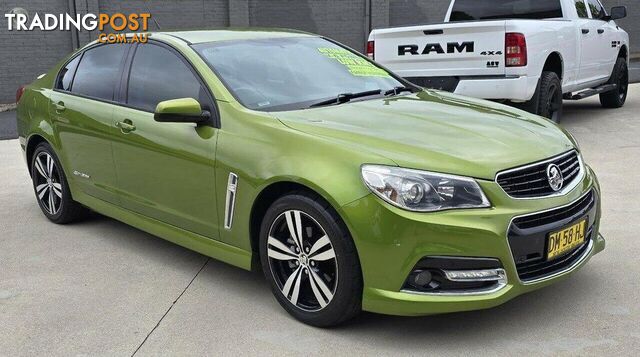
618	12
183	110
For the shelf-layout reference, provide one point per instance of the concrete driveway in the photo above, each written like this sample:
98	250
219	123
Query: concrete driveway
8	125
102	288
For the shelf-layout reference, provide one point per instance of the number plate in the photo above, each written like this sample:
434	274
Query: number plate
563	241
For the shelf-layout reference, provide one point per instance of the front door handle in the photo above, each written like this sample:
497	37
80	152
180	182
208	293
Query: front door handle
585	31
601	31
60	107
126	126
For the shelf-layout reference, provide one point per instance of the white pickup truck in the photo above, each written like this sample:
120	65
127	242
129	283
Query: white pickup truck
529	53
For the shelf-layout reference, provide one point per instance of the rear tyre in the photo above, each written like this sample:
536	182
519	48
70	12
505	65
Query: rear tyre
549	97
310	260
51	187
620	77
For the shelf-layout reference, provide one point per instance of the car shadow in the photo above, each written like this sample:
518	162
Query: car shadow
516	317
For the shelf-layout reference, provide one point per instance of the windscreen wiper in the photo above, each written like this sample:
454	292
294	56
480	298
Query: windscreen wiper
398	90
345	97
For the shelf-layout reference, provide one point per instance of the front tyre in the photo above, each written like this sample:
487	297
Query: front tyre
51	187
310	260
620	77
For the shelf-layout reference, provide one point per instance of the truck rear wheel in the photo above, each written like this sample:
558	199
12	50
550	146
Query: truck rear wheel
619	77
549	97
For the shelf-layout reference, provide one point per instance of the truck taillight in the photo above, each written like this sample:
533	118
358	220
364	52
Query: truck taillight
371	46
515	50
19	93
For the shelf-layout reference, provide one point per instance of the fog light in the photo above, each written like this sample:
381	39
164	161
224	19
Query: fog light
423	278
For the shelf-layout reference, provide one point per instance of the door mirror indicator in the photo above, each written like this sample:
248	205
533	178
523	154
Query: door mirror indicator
183	110
618	12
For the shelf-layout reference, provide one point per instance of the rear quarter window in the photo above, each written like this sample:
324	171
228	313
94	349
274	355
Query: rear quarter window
65	77
467	10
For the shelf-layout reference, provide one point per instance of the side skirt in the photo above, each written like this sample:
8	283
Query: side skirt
201	244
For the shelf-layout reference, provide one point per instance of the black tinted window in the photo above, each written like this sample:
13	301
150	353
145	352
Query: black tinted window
157	74
66	74
581	7
597	11
464	10
99	71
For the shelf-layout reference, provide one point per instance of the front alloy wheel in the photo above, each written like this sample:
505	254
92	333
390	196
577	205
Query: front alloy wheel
302	260
310	260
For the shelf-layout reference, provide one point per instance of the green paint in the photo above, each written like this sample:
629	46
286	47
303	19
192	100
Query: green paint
170	179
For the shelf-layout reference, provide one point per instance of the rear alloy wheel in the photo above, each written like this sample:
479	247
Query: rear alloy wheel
620	77
310	260
550	97
47	183
51	188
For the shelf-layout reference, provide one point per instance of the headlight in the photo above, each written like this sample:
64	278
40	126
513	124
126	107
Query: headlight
423	191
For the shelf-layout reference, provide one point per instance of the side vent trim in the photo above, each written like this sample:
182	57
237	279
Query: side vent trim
230	202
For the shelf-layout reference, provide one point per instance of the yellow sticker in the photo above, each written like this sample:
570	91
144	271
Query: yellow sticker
356	65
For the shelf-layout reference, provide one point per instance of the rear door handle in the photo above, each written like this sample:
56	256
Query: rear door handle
585	31
60	107
601	31
126	126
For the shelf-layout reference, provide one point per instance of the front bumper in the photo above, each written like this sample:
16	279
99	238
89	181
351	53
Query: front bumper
391	241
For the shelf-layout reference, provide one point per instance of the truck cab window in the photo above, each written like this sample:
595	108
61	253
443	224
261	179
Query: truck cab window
597	11
581	8
465	10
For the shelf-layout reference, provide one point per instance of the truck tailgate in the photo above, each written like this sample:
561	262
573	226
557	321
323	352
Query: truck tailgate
450	49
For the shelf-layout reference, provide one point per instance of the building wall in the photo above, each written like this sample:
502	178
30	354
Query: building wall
416	12
342	20
24	55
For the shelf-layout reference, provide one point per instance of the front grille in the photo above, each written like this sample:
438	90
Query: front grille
528	237
554	216
531	271
531	181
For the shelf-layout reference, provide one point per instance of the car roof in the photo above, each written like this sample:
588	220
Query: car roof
227	34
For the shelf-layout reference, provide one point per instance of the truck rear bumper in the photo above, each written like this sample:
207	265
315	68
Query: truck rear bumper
519	89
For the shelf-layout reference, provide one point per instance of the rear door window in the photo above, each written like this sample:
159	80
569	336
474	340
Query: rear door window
99	72
466	10
157	74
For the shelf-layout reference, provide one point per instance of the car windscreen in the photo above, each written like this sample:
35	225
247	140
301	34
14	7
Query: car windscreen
466	10
291	73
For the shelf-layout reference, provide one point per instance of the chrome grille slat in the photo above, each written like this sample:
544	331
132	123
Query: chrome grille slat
531	181
570	158
523	183
569	167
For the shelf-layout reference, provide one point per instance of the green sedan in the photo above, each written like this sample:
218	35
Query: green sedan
288	152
